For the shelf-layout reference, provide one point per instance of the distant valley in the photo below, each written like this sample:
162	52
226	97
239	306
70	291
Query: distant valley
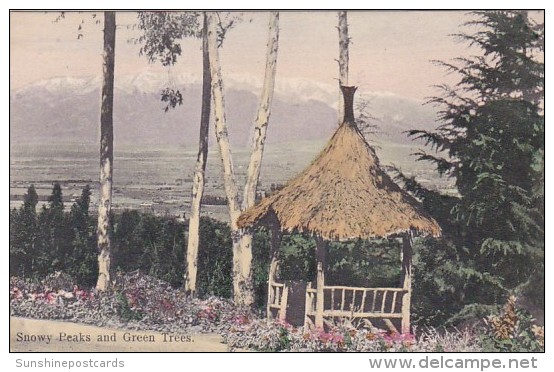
54	135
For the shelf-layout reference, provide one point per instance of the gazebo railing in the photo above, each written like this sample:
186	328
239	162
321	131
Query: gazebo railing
277	299
357	302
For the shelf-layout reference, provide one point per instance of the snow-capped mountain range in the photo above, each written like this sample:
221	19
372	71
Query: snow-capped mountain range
67	109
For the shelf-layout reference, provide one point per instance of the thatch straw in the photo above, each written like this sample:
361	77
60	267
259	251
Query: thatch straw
343	195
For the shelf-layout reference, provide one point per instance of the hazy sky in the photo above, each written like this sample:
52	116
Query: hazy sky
390	51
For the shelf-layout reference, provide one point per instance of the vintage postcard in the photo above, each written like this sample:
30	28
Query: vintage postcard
292	181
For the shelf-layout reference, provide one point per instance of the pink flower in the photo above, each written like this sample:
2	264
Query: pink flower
131	298
207	313
405	339
80	294
17	293
167	305
241	319
337	338
50	297
324	336
330	337
284	324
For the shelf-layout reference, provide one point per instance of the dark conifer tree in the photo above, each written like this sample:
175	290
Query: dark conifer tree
23	235
491	142
83	263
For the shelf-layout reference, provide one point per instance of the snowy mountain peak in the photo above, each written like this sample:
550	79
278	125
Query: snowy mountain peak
63	83
291	90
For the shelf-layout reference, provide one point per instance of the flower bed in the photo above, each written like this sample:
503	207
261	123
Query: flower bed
279	336
136	301
141	302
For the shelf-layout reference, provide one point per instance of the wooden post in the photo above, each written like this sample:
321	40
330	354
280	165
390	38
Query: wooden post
320	254
276	236
362	306
284	303
407	272
309	304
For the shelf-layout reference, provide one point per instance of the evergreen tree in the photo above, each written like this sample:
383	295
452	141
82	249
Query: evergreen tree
23	235
80	210
55	200
491	141
82	263
84	201
16	251
30	200
128	243
55	235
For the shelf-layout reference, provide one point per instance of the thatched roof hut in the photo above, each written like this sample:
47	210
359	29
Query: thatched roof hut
343	195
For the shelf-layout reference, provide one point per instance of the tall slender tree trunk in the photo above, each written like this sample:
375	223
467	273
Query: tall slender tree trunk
221	134
343	59
200	171
242	240
243	282
222	137
106	153
264	112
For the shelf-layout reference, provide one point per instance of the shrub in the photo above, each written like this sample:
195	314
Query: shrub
512	331
123	308
214	259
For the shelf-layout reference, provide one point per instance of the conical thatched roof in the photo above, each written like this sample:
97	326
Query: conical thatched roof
343	195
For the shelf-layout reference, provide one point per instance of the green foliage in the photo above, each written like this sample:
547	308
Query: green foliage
215	256
52	240
149	243
81	207
30	200
298	258
260	266
284	339
23	234
162	33
358	263
436	295
55	200
512	331
124	309
54	235
56	240
364	263
491	141
83	264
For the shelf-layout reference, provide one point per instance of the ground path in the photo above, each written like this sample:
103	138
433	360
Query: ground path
32	335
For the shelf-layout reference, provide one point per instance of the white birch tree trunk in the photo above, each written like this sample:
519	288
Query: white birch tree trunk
222	137
221	133
264	112
200	170
243	282
106	154
242	240
344	41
